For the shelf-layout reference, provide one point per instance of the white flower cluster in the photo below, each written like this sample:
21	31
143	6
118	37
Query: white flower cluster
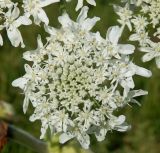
10	20
35	8
79	79
143	24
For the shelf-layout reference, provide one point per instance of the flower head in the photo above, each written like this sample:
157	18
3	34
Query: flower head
75	79
152	51
10	20
35	8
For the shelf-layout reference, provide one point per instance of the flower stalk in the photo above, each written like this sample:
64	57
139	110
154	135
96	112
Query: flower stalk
26	139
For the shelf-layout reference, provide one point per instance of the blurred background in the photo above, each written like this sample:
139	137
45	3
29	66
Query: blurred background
144	137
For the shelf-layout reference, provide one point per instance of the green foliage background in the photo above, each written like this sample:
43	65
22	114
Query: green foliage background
144	137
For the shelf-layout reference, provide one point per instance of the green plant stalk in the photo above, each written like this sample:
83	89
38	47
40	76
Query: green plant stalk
24	138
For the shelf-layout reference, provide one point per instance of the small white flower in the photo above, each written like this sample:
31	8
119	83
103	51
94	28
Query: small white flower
142	37
145	20
5	3
122	71
118	123
87	117
135	93
35	8
113	48
12	21
82	22
32	55
152	51
125	15
140	23
61	121
80	3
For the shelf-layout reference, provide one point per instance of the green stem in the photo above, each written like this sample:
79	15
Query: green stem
26	139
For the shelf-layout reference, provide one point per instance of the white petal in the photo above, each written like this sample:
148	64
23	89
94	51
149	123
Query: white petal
99	37
113	34
145	49
20	82
65	20
92	2
44	3
126	49
120	120
22	20
15	37
33	117
127	83
50	30
135	102
88	24
79	4
130	82
37	20
83	14
122	128
43	130
116	121
129	73
134	37
28	69
84	140
151	43
25	104
65	137
28	55
148	56
129	26
1	40
143	72
15	12
101	134
43	17
39	41
137	93
112	104
158	61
